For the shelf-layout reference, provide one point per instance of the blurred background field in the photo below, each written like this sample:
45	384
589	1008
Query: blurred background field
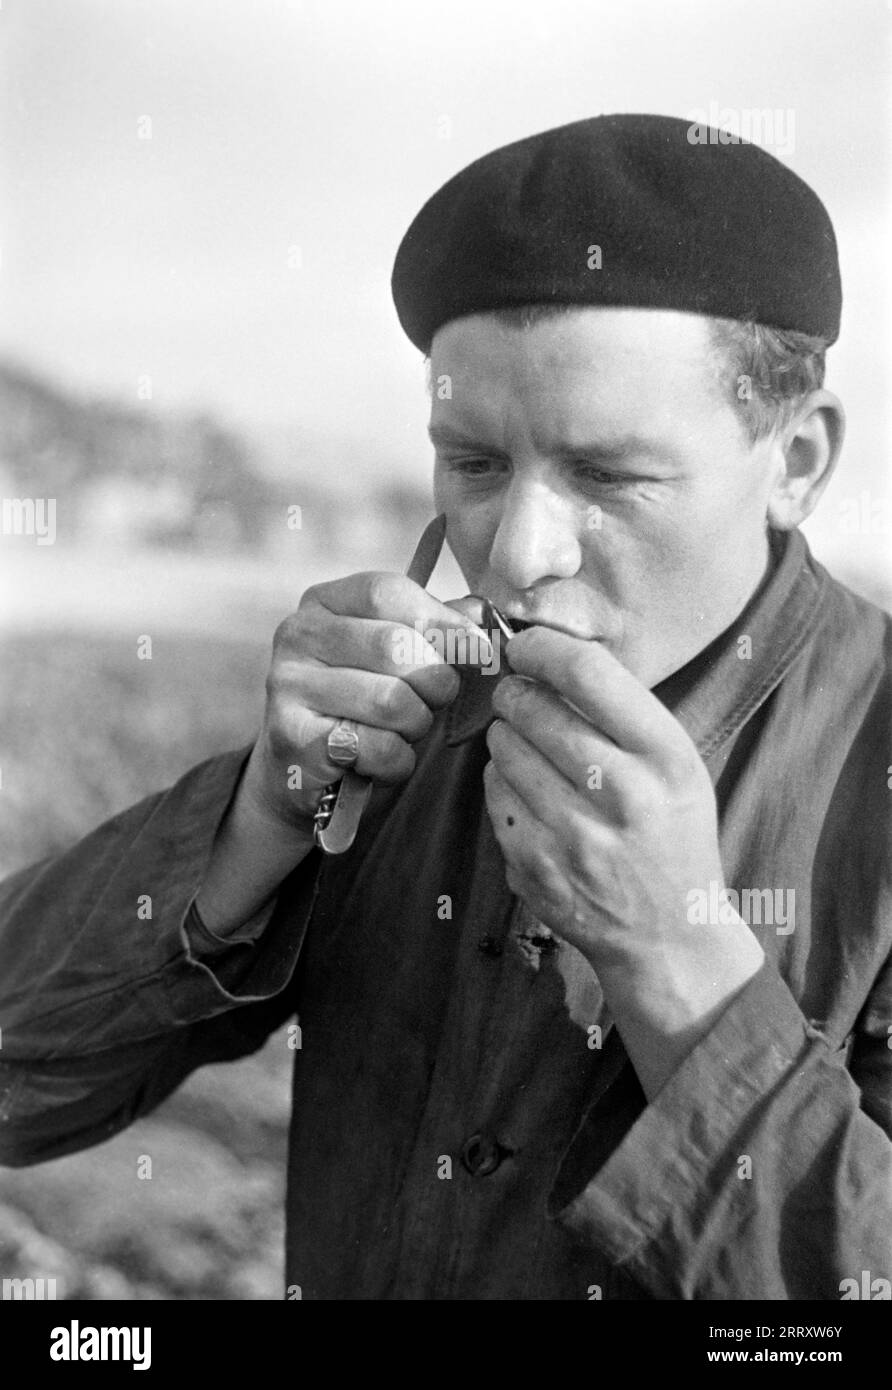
87	728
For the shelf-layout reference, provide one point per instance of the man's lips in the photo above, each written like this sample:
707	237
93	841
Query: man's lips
511	623
521	624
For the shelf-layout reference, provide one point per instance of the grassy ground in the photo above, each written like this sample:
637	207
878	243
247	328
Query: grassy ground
87	730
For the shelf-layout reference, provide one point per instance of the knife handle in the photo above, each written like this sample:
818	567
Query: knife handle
339	811
342	803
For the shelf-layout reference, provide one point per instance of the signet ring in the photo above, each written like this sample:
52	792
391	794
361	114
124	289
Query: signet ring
343	743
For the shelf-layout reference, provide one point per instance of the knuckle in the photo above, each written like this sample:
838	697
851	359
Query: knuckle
278	735
579	670
285	635
437	694
282	683
384	591
387	643
273	686
419	720
446	681
637	802
685	766
287	731
396	761
577	849
315	595
389	701
411	713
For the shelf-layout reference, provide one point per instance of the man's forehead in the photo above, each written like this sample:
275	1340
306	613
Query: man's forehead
594	382
575	378
571	340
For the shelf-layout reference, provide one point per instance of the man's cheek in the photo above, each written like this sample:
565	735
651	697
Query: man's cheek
471	546
456	534
666	621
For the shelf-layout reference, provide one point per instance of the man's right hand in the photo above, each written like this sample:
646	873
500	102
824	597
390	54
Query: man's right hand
354	649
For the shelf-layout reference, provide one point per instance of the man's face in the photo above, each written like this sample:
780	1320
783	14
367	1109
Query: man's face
595	478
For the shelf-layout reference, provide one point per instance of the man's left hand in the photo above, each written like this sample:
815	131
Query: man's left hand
606	816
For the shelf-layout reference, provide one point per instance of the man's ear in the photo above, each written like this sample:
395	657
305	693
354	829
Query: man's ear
807	452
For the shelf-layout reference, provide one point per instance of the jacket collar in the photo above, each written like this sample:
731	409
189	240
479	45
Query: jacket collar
715	693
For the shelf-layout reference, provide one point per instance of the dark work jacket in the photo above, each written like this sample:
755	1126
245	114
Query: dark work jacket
466	1123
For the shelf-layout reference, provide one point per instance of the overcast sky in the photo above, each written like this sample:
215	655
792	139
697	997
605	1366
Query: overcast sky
283	124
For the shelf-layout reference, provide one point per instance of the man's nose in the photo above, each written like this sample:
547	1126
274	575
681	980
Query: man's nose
536	537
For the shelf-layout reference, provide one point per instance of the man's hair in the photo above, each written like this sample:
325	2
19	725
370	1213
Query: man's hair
768	372
765	372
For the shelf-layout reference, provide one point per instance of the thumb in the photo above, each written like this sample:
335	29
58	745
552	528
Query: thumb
471	606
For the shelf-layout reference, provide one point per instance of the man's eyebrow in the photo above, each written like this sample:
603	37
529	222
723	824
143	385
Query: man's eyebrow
605	448
447	434
608	447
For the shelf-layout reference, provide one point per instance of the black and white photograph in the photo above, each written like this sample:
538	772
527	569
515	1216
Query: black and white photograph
445	700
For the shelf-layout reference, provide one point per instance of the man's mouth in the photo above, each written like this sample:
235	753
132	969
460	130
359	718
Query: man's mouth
518	625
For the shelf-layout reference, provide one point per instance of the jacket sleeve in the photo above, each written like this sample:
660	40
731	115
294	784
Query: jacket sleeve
109	995
762	1170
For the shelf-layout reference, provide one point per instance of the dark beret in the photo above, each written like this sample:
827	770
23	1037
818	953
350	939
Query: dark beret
683	221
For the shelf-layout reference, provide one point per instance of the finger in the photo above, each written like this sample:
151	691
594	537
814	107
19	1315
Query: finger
514	825
472	607
382	702
600	687
382	648
536	868
544	790
384	756
385	644
391	597
567	741
533	861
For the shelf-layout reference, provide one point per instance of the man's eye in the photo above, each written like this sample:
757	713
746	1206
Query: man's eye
601	477
473	467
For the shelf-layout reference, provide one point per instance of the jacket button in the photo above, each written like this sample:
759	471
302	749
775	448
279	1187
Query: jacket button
490	945
482	1155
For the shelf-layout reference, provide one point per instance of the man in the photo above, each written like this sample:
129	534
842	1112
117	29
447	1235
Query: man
598	1003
